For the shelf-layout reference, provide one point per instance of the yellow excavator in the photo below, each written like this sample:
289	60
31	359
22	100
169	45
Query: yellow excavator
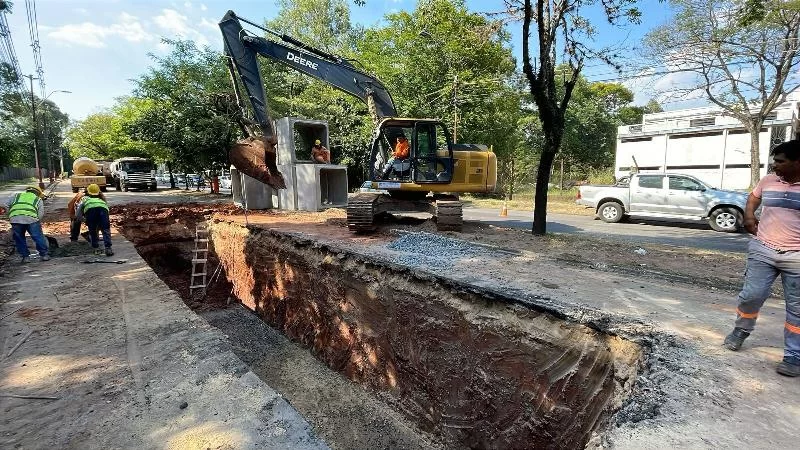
426	177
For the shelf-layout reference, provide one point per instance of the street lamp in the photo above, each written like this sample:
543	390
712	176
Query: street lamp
446	57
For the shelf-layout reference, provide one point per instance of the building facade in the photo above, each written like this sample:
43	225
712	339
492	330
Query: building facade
702	142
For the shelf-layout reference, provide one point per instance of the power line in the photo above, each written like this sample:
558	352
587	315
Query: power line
8	54
33	30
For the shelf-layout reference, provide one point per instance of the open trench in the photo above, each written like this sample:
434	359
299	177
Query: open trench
450	365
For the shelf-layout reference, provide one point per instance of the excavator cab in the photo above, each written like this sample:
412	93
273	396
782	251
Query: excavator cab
430	155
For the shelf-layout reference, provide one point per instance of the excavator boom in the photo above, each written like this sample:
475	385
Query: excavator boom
255	155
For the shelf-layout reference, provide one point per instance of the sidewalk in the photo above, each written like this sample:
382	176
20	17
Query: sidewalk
118	361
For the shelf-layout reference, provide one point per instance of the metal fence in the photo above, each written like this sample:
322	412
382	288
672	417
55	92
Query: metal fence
19	173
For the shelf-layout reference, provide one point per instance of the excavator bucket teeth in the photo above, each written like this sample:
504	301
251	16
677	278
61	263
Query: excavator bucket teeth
255	157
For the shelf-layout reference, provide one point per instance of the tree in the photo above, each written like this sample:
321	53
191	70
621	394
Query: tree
175	106
559	23
51	123
747	69
15	123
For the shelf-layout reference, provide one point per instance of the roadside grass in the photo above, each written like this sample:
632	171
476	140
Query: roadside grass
558	201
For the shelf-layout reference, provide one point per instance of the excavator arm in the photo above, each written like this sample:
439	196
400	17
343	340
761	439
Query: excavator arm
255	156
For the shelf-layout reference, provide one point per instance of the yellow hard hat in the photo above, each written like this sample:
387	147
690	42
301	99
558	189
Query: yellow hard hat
93	189
317	142
36	190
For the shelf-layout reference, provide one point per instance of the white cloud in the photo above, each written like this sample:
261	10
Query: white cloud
187	5
89	34
210	24
177	24
203	7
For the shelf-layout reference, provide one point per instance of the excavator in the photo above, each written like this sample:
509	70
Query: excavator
428	179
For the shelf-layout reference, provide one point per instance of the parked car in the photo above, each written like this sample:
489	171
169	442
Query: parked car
225	182
666	196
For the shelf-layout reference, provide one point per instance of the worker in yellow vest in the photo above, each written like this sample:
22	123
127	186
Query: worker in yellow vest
93	210
25	211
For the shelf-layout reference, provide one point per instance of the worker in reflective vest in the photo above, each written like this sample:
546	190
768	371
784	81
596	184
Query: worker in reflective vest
25	211
93	210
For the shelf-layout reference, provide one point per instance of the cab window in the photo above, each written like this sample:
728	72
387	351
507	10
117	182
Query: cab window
651	181
684	184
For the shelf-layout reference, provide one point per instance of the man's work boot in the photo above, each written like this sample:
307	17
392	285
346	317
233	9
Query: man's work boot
25	259
788	369
45	258
109	252
98	252
735	340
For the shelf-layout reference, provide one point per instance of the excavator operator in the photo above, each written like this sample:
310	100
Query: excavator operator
400	153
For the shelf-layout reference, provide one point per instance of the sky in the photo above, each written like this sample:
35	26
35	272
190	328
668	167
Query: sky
94	48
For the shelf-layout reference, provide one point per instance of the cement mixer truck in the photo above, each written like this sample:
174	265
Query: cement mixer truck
85	172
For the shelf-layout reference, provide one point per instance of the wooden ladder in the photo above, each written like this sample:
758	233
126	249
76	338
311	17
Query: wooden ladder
199	261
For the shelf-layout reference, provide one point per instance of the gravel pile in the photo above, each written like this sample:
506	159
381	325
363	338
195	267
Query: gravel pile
432	251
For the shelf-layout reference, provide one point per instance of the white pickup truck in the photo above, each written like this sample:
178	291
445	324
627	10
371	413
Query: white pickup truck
666	196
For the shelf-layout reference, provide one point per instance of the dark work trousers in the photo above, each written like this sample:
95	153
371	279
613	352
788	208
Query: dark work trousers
97	220
763	267
74	229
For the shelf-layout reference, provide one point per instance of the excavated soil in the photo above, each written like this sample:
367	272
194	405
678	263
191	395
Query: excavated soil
464	364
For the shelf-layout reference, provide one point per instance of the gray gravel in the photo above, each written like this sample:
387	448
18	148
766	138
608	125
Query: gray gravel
432	251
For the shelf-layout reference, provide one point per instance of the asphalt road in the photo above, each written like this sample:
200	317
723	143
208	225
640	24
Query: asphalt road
692	234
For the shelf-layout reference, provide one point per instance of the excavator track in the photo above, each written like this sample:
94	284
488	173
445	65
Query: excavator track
449	215
361	212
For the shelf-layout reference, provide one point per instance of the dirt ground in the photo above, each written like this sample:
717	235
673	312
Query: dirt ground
107	356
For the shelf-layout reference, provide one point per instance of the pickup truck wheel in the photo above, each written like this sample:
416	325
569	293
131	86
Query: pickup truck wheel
727	220
610	212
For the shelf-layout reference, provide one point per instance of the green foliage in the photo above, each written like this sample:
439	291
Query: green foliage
15	123
17	127
632	115
175	109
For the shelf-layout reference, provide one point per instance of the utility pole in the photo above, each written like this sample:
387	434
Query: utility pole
47	140
35	144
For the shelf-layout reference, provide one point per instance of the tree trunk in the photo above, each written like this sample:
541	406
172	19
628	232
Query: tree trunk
540	199
171	178
755	156
511	184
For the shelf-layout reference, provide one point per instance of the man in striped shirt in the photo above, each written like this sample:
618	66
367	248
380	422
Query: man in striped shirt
775	250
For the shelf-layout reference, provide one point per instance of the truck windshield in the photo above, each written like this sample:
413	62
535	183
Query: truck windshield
137	166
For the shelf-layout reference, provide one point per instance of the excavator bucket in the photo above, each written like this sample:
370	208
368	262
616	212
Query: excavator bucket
255	157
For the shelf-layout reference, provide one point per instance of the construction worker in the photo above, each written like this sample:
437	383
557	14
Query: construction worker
74	223
320	154
93	209
400	153
775	250
25	211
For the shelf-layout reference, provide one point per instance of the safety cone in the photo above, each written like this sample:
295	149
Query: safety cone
504	210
